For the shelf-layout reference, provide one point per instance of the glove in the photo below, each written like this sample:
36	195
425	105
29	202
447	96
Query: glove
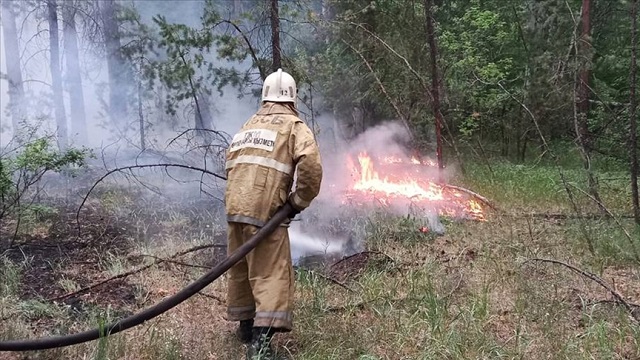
293	211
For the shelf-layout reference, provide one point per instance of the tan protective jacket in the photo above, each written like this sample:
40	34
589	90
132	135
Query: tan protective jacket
261	161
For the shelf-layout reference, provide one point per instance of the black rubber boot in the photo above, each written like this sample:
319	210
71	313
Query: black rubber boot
244	332
260	347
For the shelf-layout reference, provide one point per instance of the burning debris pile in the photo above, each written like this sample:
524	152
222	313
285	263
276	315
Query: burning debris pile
394	181
370	174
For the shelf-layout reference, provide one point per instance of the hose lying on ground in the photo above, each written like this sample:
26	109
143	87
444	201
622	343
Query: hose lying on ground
159	308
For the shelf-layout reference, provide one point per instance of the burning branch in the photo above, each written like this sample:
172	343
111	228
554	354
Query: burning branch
408	180
482	199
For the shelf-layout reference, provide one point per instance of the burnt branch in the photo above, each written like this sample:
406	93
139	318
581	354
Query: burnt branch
619	298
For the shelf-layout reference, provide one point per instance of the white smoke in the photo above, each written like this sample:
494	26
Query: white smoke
387	139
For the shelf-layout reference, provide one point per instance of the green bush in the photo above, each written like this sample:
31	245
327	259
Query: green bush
22	168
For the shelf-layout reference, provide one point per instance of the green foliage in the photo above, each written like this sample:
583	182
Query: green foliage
22	169
10	274
39	155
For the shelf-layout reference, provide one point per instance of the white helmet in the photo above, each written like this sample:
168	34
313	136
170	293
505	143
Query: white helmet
279	87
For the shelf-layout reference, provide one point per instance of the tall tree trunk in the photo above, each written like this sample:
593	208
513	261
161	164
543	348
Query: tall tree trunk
143	144
203	117
74	79
56	75
14	71
582	100
435	78
115	64
275	35
237	7
583	135
633	140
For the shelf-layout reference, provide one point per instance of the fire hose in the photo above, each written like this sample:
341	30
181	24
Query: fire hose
147	314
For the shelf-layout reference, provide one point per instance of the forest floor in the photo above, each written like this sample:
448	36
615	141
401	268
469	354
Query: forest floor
483	290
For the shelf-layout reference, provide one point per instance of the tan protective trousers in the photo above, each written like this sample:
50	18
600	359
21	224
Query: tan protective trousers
261	285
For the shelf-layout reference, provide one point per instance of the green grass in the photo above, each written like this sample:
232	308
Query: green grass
470	294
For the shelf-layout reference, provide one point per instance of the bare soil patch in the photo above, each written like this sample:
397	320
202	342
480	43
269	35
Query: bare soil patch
64	254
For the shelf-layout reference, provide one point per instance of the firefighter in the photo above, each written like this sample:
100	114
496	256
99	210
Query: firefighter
272	146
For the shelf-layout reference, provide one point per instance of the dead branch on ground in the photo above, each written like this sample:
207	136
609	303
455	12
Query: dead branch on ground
132	272
214	297
614	302
330	279
175	262
561	216
363	304
597	279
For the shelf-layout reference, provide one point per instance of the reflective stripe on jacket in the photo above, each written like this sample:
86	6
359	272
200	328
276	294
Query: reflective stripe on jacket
261	161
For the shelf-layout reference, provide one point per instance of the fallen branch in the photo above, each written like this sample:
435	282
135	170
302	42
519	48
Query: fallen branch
615	302
598	280
330	279
482	199
214	297
132	272
560	216
176	262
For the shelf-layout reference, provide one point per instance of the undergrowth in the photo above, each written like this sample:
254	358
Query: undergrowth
473	293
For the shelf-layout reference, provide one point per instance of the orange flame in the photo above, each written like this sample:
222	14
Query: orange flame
404	185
